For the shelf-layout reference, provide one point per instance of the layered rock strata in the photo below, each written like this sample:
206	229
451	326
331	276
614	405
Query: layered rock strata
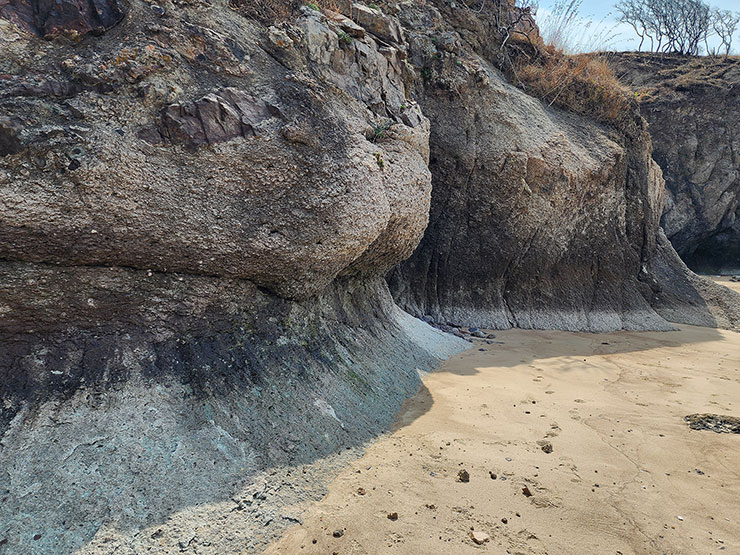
198	211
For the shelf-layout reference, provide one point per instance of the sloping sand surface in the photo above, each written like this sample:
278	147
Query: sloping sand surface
734	285
625	475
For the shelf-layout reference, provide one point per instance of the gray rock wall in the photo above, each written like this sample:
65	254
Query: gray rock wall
693	108
131	397
539	218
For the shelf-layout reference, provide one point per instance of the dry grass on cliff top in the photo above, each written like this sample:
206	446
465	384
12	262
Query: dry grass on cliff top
582	83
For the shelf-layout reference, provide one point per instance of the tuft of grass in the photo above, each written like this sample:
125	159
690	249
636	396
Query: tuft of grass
582	83
380	131
344	37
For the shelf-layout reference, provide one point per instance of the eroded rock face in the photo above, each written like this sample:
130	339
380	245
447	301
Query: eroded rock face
71	18
196	217
539	219
693	107
279	180
132	399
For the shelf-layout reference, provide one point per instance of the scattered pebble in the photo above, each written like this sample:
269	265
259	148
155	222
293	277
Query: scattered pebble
526	491
545	445
463	476
479	538
393	516
338	533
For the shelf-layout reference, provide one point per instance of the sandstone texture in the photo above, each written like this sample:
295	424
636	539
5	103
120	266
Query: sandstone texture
128	150
693	107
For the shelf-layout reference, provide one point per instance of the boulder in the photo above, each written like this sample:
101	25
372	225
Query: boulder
278	180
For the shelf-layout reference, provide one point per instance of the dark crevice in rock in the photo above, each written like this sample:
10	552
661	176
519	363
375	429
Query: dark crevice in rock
76	18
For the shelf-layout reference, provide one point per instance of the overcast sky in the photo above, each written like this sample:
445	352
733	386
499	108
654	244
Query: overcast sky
603	19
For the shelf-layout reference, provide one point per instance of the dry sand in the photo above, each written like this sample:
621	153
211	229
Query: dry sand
734	285
626	474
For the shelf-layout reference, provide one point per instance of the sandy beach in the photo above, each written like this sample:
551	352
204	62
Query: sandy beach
625	473
734	285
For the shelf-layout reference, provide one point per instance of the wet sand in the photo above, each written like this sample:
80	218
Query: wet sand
625	475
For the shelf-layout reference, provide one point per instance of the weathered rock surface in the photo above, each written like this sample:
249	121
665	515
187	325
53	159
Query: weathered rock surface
71	18
292	191
539	218
196	213
132	399
693	107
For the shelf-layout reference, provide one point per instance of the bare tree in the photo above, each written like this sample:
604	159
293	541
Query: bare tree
724	24
679	26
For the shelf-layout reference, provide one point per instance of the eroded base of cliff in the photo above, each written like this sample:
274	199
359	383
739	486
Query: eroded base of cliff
133	396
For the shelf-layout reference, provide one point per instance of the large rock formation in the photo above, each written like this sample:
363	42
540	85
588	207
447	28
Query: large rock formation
196	214
540	218
693	107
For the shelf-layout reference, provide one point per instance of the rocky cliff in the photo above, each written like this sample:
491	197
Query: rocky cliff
540	217
196	214
693	107
198	209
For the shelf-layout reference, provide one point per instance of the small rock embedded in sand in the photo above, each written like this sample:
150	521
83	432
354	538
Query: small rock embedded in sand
338	533
393	516
492	474
463	476
714	422
361	491
505	520
526	491
545	445
479	538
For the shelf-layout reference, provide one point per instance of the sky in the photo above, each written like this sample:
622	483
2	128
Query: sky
603	17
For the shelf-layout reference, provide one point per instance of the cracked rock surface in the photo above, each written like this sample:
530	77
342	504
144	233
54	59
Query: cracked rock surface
693	107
